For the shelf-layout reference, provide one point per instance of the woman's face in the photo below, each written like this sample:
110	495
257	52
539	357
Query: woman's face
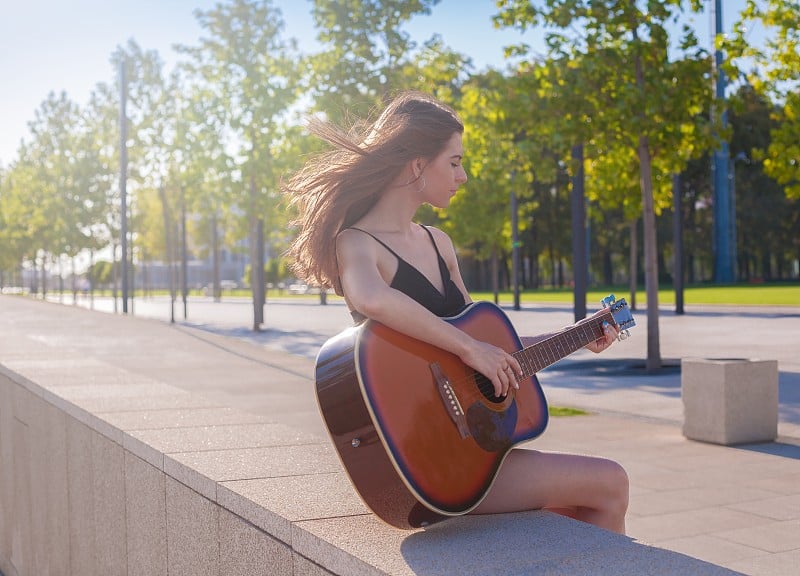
444	174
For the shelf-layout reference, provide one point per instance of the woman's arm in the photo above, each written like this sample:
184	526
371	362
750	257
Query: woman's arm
448	252
370	294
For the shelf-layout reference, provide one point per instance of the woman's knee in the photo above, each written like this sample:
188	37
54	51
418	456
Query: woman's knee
618	484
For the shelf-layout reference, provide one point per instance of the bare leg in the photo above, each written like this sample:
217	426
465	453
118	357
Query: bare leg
590	489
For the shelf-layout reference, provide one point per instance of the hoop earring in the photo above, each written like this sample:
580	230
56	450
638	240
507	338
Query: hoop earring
424	183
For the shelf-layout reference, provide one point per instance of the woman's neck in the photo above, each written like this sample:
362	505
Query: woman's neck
393	212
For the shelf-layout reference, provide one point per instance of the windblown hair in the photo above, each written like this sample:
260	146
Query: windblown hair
338	187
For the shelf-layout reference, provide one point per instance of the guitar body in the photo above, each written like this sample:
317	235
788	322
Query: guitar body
421	435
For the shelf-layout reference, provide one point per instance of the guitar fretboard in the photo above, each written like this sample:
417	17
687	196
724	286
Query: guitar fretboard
560	345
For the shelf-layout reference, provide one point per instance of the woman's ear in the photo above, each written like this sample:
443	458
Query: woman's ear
417	166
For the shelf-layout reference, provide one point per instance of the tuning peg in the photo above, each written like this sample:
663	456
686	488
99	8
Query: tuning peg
623	335
608	301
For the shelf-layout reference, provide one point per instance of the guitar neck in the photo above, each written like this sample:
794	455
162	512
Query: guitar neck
546	352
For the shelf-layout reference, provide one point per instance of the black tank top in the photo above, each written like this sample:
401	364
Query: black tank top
414	284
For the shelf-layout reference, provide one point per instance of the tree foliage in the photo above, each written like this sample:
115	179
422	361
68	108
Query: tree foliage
364	53
774	70
624	80
627	96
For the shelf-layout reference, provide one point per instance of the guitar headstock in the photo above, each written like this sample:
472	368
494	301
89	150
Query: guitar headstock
621	314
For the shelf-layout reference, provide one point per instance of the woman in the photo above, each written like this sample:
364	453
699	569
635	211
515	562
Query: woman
356	206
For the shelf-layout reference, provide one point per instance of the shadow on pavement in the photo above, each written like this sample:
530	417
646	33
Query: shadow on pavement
777	448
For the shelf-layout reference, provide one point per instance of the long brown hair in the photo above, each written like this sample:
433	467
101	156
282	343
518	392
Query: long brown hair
336	188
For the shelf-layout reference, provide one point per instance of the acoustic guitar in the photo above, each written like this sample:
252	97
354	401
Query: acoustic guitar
421	434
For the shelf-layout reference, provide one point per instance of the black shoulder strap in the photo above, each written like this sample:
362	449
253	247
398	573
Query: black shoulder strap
379	241
435	247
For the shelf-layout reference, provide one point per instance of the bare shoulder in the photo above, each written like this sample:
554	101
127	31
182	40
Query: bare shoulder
443	241
350	241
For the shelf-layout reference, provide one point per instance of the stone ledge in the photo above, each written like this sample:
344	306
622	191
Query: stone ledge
211	490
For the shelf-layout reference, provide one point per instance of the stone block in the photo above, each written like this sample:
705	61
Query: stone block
192	532
39	479
80	487
21	535
305	567
56	495
109	507
244	549
145	495
730	401
6	472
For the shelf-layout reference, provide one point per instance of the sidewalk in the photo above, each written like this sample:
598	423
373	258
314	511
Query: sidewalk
737	507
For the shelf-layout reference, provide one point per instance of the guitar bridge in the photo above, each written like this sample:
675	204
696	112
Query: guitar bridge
451	403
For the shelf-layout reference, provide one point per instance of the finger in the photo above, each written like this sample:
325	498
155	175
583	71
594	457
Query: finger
497	385
514	376
609	332
502	376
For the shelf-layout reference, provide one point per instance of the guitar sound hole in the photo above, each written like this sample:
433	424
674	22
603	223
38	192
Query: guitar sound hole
486	388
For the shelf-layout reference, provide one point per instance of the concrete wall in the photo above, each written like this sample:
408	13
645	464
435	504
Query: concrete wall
74	501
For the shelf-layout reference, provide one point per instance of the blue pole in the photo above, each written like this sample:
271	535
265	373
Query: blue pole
723	221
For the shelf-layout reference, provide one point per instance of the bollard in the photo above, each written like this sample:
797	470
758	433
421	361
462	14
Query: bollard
729	400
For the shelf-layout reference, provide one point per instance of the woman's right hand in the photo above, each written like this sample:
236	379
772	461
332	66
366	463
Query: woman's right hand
495	363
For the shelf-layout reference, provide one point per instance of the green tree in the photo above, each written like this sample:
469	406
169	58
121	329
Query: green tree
768	220
774	70
101	122
633	94
252	76
21	213
363	55
477	218
58	168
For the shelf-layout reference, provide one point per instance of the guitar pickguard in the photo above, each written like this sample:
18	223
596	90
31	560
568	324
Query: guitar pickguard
492	429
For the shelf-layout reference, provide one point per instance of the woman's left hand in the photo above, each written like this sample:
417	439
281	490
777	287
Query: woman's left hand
610	334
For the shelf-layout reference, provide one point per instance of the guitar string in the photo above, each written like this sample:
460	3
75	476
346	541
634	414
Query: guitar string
485	386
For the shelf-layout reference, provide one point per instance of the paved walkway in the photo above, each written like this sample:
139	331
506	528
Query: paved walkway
737	507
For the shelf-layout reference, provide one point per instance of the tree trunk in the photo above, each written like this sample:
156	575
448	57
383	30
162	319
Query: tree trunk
677	243
115	275
44	273
634	262
579	255
170	251
74	282
495	266
215	258
650	255
608	268
184	258
653	362
256	261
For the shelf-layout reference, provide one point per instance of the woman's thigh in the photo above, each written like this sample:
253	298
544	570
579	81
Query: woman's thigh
530	480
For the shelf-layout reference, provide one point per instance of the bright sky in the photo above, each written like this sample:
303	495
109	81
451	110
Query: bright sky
65	45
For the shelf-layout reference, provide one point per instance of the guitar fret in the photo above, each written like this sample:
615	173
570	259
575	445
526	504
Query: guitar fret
523	362
547	352
572	341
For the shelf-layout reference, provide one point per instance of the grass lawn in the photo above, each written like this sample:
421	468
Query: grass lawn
784	294
779	294
561	411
